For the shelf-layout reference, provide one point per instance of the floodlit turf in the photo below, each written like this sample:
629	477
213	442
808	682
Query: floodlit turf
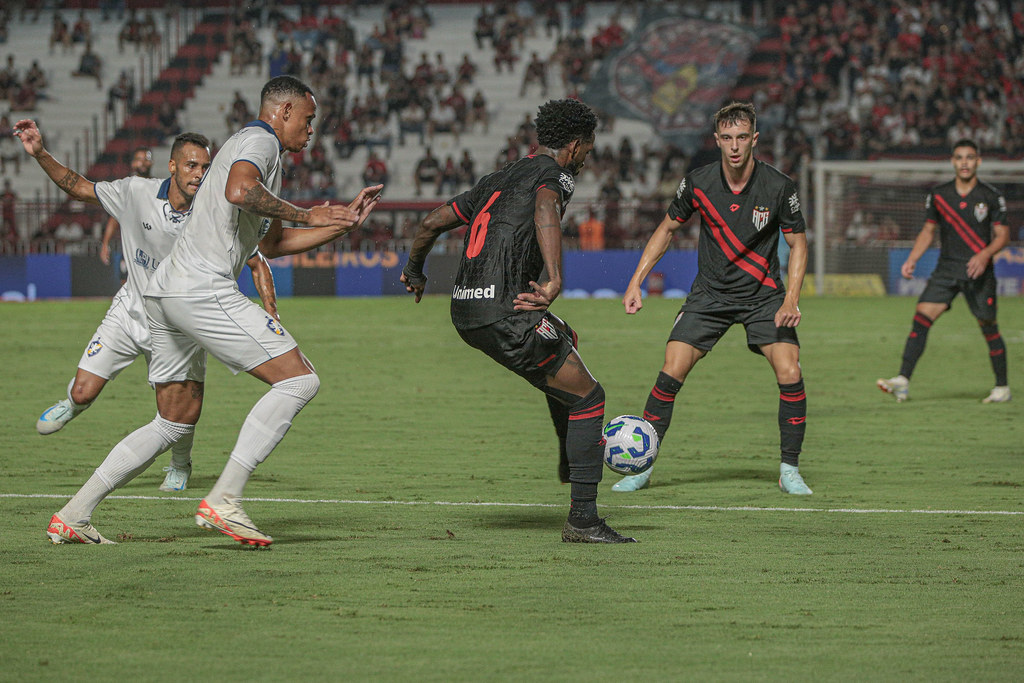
379	580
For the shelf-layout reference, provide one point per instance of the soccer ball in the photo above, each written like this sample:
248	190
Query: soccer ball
630	445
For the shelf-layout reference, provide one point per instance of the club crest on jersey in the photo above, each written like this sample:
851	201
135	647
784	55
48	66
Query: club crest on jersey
980	212
794	203
681	190
761	214
274	326
566	181
546	329
95	346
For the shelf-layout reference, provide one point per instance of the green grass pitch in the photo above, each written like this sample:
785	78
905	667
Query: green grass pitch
416	514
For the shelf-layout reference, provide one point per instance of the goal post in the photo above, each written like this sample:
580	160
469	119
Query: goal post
864	210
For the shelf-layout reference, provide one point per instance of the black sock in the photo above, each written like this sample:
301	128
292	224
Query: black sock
583	512
560	418
792	420
996	352
658	410
915	343
584	442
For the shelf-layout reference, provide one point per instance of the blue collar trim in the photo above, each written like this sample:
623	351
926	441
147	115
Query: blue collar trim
267	127
164	187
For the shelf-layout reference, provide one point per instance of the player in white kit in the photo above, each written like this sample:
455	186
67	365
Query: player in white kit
194	305
153	213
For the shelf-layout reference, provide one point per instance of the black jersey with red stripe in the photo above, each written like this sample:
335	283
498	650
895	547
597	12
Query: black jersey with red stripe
500	254
965	223
737	253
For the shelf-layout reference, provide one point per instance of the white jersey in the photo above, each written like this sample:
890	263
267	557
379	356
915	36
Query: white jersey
220	238
149	229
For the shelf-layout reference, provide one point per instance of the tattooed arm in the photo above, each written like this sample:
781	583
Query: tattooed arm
66	179
245	189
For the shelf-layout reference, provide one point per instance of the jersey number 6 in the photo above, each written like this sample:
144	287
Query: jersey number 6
478	231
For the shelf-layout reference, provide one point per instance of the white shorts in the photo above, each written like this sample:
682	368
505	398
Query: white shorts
234	330
117	342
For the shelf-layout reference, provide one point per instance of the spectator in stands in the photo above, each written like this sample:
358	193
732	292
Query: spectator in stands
553	20
536	72
591	232
60	34
412	119
448	181
36	77
81	32
90	66
443	120
131	32
427	172
167	120
484	27
122	91
478	112
10	151
376	170
365	65
23	98
150	38
8	202
503	53
467	169
277	60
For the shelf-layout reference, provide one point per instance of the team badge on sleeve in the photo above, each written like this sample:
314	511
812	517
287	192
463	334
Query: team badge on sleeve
794	203
94	347
566	181
682	189
980	211
761	215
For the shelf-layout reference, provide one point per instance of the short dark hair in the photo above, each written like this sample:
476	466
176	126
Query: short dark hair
283	88
559	122
188	139
965	142
734	113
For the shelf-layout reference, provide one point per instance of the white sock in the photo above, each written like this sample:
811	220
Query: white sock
181	451
130	457
265	426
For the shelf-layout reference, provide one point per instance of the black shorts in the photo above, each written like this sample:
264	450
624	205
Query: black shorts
980	293
531	348
702	321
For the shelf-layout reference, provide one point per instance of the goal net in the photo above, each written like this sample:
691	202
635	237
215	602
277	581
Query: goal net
866	215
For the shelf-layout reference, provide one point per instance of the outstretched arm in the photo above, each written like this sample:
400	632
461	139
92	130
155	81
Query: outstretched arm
440	220
655	248
263	279
71	182
281	241
547	217
788	314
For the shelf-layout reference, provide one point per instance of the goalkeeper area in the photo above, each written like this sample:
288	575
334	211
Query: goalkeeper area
866	215
416	513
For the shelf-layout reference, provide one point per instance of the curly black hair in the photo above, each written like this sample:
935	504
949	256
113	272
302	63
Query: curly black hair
559	122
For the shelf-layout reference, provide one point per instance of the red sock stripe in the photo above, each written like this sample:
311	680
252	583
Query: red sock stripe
991	337
587	413
997	352
662	395
923	320
793	397
650	417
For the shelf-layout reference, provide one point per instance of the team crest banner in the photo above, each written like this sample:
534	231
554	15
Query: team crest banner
675	72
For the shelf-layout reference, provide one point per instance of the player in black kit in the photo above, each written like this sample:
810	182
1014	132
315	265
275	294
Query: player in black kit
499	307
744	203
971	216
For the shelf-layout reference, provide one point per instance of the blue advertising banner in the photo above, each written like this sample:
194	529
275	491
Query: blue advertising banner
675	72
1009	264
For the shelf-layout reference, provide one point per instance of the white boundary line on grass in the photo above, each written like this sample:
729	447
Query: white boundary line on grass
699	508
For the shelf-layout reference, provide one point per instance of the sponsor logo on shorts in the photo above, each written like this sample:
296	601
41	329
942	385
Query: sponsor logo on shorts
546	330
95	346
980	212
761	214
274	326
473	292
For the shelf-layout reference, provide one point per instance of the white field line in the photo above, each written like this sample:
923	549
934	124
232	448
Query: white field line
698	508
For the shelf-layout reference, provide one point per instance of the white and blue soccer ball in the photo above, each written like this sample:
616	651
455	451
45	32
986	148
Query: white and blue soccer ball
630	445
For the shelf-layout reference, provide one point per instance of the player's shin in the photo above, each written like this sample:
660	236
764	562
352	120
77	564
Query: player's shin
660	402
585	448
265	426
996	352
915	343
560	418
130	457
792	421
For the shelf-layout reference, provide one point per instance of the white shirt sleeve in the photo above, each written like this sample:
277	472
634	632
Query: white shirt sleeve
261	151
114	196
